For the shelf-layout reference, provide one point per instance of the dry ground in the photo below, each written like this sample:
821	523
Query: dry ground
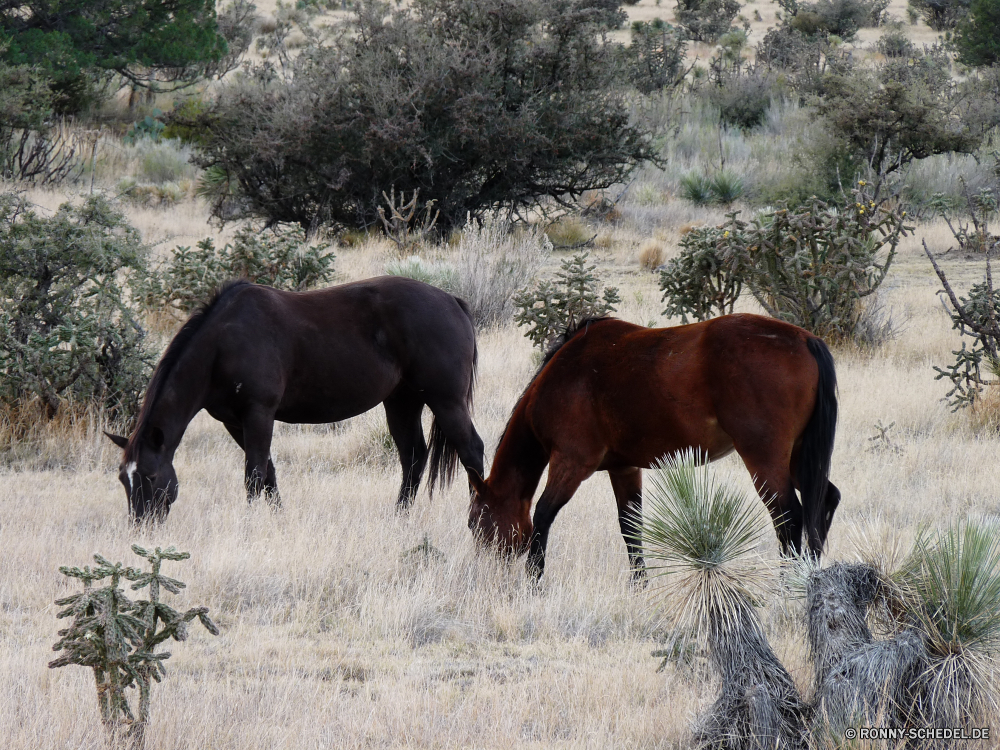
333	636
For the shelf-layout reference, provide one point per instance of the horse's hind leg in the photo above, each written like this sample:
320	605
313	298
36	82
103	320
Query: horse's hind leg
627	484
402	412
258	426
455	423
270	478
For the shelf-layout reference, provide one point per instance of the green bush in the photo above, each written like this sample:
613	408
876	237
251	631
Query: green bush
706	20
897	111
118	638
656	55
698	282
552	307
977	36
281	260
814	265
69	324
743	99
895	43
697	188
479	106
941	15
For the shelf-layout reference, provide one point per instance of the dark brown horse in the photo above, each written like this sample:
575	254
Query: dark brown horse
254	355
615	397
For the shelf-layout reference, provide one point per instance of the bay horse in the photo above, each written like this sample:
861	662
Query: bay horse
253	355
612	396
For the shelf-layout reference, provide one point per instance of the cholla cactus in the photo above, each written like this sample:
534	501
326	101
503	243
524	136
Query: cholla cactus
117	637
555	307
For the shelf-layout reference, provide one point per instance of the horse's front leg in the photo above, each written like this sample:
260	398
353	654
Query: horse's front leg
565	476
627	484
258	426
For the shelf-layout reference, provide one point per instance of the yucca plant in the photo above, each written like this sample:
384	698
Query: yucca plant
726	187
952	580
696	188
699	535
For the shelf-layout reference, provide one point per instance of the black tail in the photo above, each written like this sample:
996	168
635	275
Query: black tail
444	453
817	449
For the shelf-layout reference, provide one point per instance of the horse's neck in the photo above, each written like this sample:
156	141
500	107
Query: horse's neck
519	461
185	391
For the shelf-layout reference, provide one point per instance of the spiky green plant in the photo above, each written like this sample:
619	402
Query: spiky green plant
696	188
953	582
117	638
726	187
700	534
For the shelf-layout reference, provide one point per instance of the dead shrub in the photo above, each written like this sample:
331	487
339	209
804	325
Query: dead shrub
651	254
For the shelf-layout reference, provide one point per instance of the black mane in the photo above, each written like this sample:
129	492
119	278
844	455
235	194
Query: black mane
557	343
170	357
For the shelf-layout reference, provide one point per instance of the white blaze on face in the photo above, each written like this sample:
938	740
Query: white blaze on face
130	472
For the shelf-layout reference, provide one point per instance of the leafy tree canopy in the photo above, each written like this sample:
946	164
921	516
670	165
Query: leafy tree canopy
81	44
479	104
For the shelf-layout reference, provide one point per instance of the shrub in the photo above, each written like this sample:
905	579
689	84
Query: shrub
651	255
118	638
656	55
894	43
845	17
31	148
494	262
164	161
699	282
722	187
442	275
978	318
706	20
976	36
479	106
69	326
281	260
553	307
941	15
897	111
813	265
743	99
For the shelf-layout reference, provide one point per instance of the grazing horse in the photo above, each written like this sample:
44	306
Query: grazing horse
615	397
254	355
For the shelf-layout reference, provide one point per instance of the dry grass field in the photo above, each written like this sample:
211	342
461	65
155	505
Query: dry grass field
338	631
335	635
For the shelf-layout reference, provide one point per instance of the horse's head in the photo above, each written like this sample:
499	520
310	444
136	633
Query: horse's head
147	473
503	522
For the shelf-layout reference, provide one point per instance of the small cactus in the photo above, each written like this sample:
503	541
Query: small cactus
117	637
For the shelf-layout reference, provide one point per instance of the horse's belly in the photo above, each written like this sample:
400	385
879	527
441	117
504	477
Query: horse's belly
323	413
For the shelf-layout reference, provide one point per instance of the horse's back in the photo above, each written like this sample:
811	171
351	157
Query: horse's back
330	353
639	393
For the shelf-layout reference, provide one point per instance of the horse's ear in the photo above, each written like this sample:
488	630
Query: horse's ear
118	440
477	481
